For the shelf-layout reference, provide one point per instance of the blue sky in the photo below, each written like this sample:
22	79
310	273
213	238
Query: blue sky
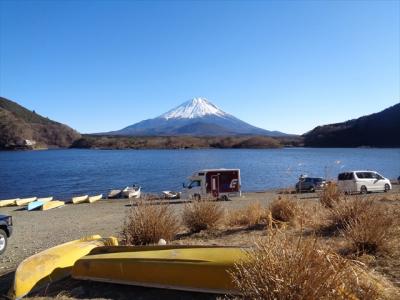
288	66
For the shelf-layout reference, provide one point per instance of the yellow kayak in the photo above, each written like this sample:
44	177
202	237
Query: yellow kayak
94	198
52	204
8	202
203	269
45	199
79	199
25	201
53	264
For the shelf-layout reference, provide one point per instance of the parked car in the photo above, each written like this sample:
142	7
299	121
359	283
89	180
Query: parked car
5	231
310	184
363	182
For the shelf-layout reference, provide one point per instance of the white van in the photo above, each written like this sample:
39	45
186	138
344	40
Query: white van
363	182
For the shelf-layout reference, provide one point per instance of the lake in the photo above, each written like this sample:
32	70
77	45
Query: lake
63	173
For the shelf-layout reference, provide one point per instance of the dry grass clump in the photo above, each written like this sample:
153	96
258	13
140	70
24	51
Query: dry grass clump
282	267
344	212
201	215
251	215
284	209
373	231
147	224
330	195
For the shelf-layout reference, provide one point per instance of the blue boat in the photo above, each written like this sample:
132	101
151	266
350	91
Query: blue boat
35	205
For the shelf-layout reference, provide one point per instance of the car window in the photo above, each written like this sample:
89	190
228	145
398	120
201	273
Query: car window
360	175
195	183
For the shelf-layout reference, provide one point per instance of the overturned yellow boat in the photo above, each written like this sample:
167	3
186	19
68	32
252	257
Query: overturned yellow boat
8	202
202	269
52	204
53	264
25	201
92	199
79	199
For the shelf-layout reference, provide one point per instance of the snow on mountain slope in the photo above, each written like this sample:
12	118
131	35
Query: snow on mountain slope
195	108
197	117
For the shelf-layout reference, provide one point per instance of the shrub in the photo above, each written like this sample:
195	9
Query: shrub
373	231
251	215
284	210
201	215
285	268
344	212
147	224
329	195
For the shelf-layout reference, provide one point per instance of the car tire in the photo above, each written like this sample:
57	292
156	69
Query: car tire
224	198
3	241
387	188
312	189
363	190
196	197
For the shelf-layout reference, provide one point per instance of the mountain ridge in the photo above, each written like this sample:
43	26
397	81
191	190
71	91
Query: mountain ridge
198	113
21	128
381	129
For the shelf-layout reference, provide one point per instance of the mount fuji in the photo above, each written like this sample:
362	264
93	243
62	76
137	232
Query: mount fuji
196	117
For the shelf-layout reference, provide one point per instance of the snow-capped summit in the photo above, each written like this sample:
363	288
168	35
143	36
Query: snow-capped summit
195	108
196	117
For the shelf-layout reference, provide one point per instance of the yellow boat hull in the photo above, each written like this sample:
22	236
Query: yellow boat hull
52	204
8	202
79	199
94	198
204	269
25	201
53	264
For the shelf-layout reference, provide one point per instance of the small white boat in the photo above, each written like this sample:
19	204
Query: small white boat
8	202
79	199
114	194
171	195
92	199
25	201
131	191
45	199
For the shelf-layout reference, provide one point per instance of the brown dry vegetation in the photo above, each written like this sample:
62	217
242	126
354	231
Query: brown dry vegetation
284	209
201	215
147	224
284	267
252	215
329	195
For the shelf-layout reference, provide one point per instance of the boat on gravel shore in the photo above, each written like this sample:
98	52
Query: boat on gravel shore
79	199
92	199
45	199
52	264
52	204
8	202
25	201
114	194
189	268
132	191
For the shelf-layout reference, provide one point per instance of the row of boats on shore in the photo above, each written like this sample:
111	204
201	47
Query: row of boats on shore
47	203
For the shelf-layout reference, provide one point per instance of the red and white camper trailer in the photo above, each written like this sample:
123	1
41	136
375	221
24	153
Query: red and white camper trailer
213	183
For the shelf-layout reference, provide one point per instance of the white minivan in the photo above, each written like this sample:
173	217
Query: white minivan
363	182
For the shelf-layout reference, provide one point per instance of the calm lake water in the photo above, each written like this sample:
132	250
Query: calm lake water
63	173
